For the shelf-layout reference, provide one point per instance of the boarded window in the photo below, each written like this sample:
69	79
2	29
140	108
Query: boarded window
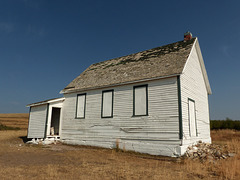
107	103
81	103
192	118
140	100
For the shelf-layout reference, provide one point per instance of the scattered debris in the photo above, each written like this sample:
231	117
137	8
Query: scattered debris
46	141
33	141
207	151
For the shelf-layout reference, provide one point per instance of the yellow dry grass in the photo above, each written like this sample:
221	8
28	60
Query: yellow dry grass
15	120
228	169
21	161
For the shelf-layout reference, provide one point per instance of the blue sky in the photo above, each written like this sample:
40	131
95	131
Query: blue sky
45	44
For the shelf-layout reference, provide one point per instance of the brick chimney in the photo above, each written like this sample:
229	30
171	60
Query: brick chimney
187	36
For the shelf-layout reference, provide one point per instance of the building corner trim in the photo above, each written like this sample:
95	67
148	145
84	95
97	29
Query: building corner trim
46	125
179	108
28	121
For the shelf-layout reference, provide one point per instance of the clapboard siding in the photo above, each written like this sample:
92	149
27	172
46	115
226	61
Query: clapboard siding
161	125
37	121
193	87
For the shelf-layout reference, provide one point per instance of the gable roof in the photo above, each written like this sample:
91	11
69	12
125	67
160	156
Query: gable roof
164	61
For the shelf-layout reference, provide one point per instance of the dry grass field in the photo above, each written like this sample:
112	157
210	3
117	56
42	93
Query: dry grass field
15	120
23	161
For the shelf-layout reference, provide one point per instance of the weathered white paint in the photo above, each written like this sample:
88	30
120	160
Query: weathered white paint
194	86
40	118
80	105
157	133
140	100
107	104
37	121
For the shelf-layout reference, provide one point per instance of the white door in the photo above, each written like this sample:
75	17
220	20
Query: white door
192	118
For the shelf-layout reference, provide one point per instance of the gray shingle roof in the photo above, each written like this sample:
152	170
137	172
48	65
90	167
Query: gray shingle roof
159	62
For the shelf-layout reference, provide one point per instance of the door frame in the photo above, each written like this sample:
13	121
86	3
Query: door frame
54	104
53	109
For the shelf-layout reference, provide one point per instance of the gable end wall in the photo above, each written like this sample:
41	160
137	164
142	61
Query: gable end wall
193	87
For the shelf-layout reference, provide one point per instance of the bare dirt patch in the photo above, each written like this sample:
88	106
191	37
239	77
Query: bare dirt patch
24	161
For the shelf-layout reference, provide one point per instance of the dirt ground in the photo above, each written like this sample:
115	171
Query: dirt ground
24	161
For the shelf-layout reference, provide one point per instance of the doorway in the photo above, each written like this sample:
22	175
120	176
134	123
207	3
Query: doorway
55	119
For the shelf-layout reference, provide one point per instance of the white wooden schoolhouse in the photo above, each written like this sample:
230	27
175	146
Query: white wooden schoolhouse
154	101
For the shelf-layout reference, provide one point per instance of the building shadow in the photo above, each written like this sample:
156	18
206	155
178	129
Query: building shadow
24	138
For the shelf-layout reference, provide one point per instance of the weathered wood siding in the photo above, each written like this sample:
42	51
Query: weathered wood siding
157	133
193	87
37	121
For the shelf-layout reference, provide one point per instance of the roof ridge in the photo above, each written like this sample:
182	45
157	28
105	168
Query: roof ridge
143	51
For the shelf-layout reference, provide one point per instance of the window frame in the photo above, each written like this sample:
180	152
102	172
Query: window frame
105	91
135	87
84	111
189	121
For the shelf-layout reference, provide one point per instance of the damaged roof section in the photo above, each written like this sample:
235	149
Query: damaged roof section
158	62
